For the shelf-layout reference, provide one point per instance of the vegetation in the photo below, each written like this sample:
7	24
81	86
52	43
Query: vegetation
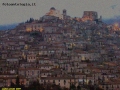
35	85
30	20
17	85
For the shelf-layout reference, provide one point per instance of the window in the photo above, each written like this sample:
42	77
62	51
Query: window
53	81
64	82
35	27
32	72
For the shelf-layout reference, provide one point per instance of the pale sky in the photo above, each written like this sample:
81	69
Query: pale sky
75	8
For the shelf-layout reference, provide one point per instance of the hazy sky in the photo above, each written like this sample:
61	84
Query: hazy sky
75	8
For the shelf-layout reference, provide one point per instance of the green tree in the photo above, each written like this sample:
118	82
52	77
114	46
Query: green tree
31	20
78	87
90	82
35	85
17	81
12	84
72	87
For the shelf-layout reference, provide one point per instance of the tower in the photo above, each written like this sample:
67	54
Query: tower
100	18
64	13
90	15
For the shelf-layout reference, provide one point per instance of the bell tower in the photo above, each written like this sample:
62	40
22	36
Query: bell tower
64	13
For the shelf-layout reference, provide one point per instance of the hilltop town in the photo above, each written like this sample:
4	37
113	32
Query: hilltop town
62	50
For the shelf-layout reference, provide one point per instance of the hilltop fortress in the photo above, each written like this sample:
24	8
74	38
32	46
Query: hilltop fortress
56	16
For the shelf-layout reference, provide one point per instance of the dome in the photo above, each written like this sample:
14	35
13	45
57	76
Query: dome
52	8
64	9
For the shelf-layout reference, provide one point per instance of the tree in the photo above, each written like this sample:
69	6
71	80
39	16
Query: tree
72	87
99	80
27	21
83	81
78	87
31	20
22	87
35	85
91	88
12	84
17	81
90	82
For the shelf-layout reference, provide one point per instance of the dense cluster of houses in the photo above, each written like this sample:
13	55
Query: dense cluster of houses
64	51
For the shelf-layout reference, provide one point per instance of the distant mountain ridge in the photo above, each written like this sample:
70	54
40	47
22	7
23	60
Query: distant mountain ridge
112	20
8	26
12	26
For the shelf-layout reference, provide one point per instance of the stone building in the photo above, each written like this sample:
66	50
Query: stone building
90	15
